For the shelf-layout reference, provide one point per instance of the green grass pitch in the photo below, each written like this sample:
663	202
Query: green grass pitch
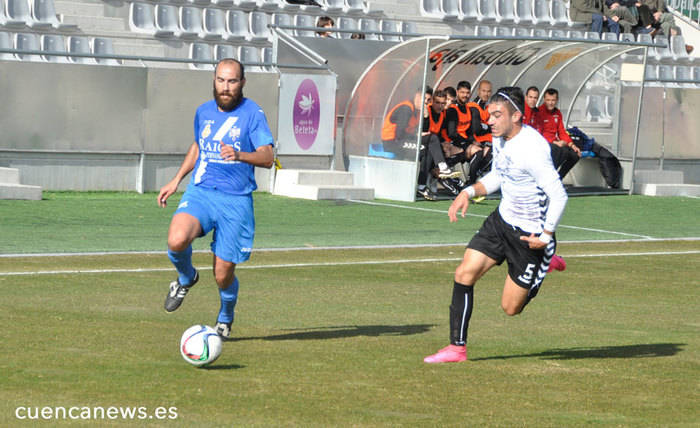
336	337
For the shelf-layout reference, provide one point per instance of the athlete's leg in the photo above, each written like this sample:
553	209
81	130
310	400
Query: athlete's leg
184	228
474	265
225	276
513	298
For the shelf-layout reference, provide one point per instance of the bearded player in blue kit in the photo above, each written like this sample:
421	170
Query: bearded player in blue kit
232	137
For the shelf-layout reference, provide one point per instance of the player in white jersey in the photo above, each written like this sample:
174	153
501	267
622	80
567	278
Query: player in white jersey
520	230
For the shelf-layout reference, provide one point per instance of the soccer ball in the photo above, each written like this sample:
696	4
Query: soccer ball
200	345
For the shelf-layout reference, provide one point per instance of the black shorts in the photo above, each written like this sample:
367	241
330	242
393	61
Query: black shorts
501	241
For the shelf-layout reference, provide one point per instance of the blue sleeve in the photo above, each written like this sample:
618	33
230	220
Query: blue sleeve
196	126
260	134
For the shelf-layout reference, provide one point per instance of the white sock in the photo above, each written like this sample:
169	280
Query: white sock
443	166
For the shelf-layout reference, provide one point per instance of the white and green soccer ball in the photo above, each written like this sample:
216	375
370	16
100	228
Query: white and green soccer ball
200	345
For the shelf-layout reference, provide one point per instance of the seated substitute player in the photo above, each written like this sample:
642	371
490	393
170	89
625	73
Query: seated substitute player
531	95
550	123
232	137
520	230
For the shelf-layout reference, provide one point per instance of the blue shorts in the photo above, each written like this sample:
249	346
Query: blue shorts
230	216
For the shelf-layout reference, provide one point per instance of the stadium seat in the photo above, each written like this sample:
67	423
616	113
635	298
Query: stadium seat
651	72
483	30
268	5
469	10
595	108
245	4
199	2
167	20
523	12
644	38
540	12
677	44
283	19
3	18
627	37
578	35
661	53
682	72
450	10
559	13
346	23
53	43
267	58
696	73
540	32
214	23
29	42
487	10
522	32
431	8
224	51
249	55
559	34
191	23
18	14
389	26
288	7
408	28
592	35
610	37
332	6
360	7
104	46
259	31
222	3
506	11
44	11
369	24
201	52
666	72
504	31
142	18
236	25
304	21
79	45
6	42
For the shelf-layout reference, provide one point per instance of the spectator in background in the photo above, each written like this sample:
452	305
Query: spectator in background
645	11
531	96
483	93
550	123
594	12
357	36
623	16
325	22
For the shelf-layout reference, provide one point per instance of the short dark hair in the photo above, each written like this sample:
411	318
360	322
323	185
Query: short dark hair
429	90
439	93
551	91
464	84
324	20
230	61
512	97
450	91
532	88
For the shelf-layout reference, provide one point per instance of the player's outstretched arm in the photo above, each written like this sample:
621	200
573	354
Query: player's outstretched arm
263	156
461	202
187	166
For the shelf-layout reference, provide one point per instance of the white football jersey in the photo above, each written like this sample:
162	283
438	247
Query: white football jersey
533	197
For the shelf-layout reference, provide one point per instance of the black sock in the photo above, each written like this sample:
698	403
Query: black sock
460	312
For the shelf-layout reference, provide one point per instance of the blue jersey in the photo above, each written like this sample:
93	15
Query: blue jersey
245	128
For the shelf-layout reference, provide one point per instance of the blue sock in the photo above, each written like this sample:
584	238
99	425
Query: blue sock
183	264
228	302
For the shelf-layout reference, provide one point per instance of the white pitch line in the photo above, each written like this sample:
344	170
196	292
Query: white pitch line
326	264
337	248
382	204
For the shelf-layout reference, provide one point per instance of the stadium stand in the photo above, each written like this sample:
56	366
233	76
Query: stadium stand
30	42
53	43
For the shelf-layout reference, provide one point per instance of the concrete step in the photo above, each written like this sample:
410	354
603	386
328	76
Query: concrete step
9	175
314	177
93	24
333	192
644	176
80	8
655	189
20	191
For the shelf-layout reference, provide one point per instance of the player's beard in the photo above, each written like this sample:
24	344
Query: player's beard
227	104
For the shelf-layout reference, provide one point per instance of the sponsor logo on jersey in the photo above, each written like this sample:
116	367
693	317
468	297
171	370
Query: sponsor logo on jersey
206	131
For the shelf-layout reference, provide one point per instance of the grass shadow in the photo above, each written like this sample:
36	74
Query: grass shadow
340	332
223	367
651	350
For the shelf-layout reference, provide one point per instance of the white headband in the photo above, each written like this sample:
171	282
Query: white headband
511	101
